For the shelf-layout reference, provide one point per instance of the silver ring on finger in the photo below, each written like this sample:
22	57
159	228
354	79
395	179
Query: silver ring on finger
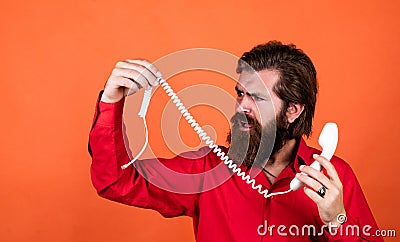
322	191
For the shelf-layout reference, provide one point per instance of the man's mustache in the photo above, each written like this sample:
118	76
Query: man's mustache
242	117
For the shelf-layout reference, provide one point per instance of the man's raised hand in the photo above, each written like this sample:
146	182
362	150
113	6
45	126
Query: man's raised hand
128	77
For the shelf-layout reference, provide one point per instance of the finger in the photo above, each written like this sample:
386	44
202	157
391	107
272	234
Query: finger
313	195
330	169
139	66
133	89
149	66
309	181
133	74
151	78
317	175
129	86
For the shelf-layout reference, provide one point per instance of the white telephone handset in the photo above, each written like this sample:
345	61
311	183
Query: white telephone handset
328	140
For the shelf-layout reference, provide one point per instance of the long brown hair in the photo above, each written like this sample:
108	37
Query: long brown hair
297	82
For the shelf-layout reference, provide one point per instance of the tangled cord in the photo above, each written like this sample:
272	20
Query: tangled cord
203	136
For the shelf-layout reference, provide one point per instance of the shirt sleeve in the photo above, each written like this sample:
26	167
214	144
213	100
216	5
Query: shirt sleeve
360	224
158	184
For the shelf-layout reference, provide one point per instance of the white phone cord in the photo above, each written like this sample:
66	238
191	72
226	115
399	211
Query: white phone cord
142	114
203	135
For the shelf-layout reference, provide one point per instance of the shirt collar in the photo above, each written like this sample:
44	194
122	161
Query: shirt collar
304	155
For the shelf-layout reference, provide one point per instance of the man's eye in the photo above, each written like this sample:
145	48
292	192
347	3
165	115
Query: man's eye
257	98
239	93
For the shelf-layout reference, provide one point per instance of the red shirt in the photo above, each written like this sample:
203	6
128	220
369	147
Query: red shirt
231	211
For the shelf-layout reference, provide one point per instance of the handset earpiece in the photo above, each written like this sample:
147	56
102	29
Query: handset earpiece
328	140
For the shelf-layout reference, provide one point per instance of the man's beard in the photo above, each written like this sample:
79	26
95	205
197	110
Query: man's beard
255	146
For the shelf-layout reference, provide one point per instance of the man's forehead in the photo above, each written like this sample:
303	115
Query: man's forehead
258	81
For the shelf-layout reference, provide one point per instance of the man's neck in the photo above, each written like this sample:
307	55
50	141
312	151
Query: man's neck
281	159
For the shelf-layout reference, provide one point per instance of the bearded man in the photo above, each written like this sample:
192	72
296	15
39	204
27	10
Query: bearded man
276	97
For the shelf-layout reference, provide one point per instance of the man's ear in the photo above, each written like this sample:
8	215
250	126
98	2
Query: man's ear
293	112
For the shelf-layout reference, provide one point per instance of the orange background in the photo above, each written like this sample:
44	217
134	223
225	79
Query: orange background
57	55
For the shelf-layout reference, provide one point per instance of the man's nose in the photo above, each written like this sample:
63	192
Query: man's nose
244	104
